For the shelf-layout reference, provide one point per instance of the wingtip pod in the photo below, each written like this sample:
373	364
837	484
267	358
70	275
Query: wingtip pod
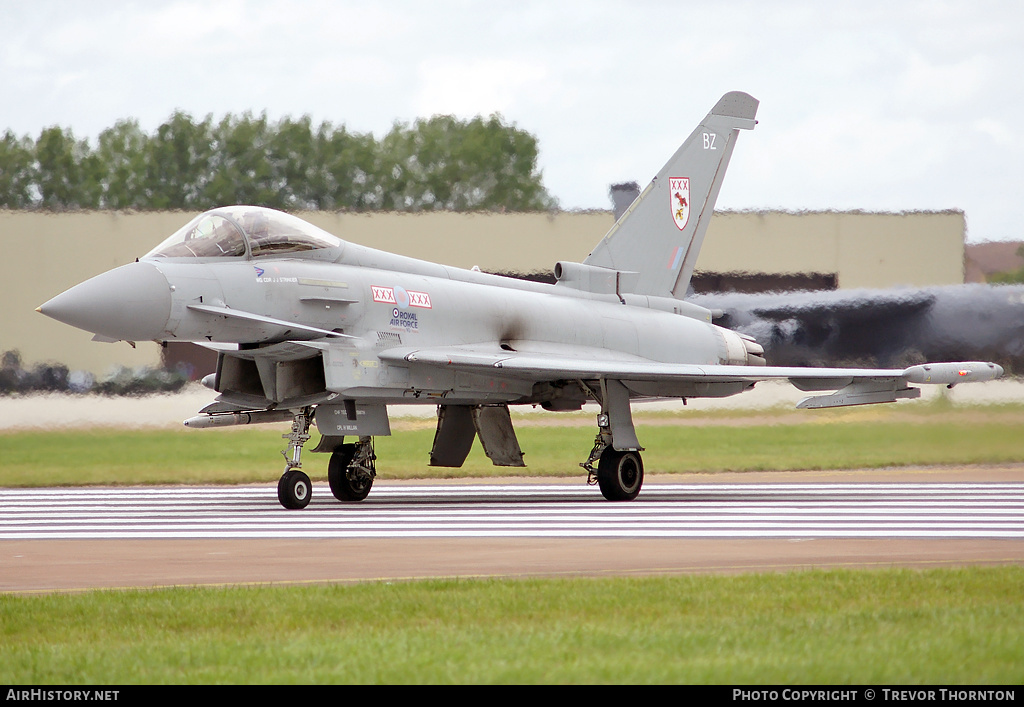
953	373
872	388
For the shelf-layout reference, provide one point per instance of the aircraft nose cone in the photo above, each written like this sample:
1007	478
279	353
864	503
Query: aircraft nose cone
132	303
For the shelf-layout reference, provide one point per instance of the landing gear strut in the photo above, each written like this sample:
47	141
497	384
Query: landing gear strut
620	471
352	469
294	489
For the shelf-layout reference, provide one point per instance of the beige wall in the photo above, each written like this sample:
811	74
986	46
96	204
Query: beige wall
44	255
506	242
864	249
47	253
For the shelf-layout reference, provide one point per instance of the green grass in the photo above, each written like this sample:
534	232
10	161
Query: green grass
875	627
888	626
849	439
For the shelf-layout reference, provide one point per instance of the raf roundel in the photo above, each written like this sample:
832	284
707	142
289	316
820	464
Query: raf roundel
401	297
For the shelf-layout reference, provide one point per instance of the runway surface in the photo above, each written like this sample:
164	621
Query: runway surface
833	510
102	537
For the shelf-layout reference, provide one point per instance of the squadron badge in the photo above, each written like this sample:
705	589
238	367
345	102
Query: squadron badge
679	194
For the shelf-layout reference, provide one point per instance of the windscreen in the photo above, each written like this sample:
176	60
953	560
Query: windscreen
224	233
207	236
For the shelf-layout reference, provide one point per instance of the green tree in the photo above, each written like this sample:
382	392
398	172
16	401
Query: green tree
445	163
291	153
122	153
437	163
17	174
240	172
346	171
68	175
177	163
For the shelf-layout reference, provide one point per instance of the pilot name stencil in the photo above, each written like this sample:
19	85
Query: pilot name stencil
261	277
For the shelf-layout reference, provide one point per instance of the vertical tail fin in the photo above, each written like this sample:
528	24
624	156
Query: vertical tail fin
660	235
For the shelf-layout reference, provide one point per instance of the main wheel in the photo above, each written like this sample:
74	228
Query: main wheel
346	485
294	490
620	474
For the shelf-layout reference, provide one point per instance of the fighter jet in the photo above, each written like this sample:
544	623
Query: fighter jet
311	329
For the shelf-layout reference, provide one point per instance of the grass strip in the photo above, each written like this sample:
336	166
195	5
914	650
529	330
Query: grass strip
243	455
876	627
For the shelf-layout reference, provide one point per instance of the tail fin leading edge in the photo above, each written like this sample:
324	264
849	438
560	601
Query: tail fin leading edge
661	233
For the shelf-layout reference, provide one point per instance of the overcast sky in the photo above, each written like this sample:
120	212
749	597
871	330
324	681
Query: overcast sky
864	105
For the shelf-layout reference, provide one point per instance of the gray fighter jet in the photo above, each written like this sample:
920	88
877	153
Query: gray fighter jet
309	328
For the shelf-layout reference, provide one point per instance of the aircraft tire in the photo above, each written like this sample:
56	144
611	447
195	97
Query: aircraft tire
294	490
620	474
344	488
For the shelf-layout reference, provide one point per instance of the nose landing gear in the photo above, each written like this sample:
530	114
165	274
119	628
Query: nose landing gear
294	488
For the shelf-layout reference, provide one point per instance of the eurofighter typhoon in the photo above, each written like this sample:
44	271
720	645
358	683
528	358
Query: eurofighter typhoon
313	330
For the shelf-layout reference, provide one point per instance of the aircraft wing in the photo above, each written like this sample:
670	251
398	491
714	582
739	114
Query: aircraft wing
855	386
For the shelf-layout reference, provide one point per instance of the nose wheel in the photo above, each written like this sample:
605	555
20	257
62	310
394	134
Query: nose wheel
294	490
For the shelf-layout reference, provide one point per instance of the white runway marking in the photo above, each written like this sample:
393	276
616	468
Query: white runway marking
823	510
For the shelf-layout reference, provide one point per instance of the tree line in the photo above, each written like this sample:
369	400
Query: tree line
437	163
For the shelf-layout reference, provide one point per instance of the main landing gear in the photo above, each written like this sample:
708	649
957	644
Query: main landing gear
620	469
350	472
619	473
352	469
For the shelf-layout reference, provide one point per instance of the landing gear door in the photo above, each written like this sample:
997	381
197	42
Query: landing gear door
352	419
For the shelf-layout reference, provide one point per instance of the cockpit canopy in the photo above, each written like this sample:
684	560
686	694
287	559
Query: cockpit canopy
234	231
